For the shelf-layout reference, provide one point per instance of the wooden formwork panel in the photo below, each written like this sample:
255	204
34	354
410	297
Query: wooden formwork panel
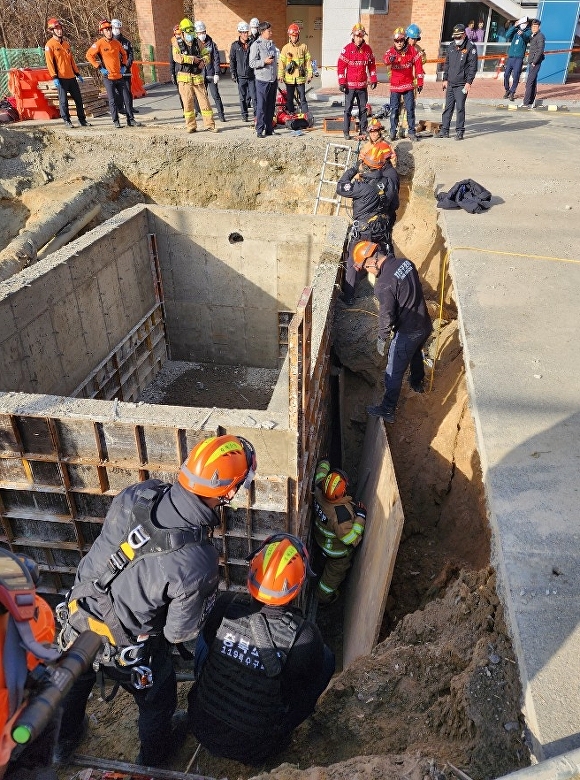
58	477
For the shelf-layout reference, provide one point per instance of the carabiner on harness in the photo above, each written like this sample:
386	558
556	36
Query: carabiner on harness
141	677
130	655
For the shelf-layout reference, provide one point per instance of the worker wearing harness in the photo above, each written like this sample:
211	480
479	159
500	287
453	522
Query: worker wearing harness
263	666
149	581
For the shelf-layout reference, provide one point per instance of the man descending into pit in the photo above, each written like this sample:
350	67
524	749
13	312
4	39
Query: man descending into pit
192	57
212	70
64	72
148	582
34	674
406	67
404	322
295	70
110	59
339	524
356	70
117	25
372	196
458	73
240	69
260	666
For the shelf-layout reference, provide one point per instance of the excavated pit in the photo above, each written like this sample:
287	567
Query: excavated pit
429	689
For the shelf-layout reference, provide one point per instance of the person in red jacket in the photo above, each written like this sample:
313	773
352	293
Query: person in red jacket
109	57
406	67
356	70
64	73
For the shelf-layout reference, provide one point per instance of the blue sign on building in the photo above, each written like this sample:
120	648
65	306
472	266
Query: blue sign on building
558	19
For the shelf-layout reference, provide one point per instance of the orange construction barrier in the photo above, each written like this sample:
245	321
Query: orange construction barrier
30	100
137	86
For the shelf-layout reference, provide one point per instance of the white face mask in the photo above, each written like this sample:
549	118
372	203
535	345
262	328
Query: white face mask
201	36
188	37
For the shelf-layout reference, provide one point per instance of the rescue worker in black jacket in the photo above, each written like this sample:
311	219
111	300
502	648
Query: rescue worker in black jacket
117	25
458	73
260	665
240	69
149	581
404	322
372	195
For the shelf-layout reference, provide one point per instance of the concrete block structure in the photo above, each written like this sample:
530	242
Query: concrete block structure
85	330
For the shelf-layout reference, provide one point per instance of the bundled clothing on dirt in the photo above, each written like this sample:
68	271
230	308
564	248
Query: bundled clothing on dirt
243	75
338	528
406	66
192	57
64	71
260	670
375	198
465	194
161	597
356	69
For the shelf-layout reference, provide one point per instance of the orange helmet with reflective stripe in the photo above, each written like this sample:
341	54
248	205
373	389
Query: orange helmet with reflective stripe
105	24
376	156
218	465
294	29
362	251
375	124
52	23
278	569
335	485
399	34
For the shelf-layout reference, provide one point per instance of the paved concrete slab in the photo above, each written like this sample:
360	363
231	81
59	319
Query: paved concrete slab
516	273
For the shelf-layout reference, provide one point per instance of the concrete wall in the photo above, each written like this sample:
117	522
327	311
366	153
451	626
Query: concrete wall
62	316
222	299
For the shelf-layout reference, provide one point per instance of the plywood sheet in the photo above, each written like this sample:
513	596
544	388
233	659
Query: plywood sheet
370	577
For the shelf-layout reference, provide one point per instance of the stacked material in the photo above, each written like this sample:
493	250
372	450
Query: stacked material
94	103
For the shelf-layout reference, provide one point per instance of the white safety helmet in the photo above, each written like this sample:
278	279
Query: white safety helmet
199	27
116	23
243	27
254	22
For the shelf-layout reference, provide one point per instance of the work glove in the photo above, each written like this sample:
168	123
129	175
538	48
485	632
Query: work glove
104	71
56	83
419	90
123	70
373	85
216	78
80	79
360	510
322	471
234	78
343	88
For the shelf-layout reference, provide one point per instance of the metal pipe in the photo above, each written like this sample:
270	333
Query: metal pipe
563	767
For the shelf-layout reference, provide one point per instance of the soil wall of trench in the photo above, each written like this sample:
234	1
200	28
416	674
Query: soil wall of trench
442	684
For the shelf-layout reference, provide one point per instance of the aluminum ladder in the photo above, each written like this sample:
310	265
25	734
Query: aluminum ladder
336	160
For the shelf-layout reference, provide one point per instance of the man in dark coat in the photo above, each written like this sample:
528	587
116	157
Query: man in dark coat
535	58
458	74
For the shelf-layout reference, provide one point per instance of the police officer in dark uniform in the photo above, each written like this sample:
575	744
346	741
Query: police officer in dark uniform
458	73
260	665
404	322
149	581
372	194
116	24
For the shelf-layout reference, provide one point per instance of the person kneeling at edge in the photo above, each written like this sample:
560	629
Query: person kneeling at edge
149	581
339	523
404	323
260	666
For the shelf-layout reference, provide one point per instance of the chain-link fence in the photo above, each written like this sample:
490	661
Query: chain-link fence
18	58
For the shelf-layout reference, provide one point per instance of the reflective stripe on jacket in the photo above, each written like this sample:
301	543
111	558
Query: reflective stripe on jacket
59	59
300	55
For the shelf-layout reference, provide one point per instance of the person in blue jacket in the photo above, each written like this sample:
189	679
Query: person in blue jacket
518	35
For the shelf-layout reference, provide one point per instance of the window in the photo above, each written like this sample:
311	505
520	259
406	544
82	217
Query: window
374	6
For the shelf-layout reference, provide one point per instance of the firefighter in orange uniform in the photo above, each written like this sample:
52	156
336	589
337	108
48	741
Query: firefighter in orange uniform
64	73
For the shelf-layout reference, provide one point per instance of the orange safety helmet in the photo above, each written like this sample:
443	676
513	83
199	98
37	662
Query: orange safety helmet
52	23
105	24
335	485
358	28
376	156
362	251
278	569
399	34
294	29
375	124
218	465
